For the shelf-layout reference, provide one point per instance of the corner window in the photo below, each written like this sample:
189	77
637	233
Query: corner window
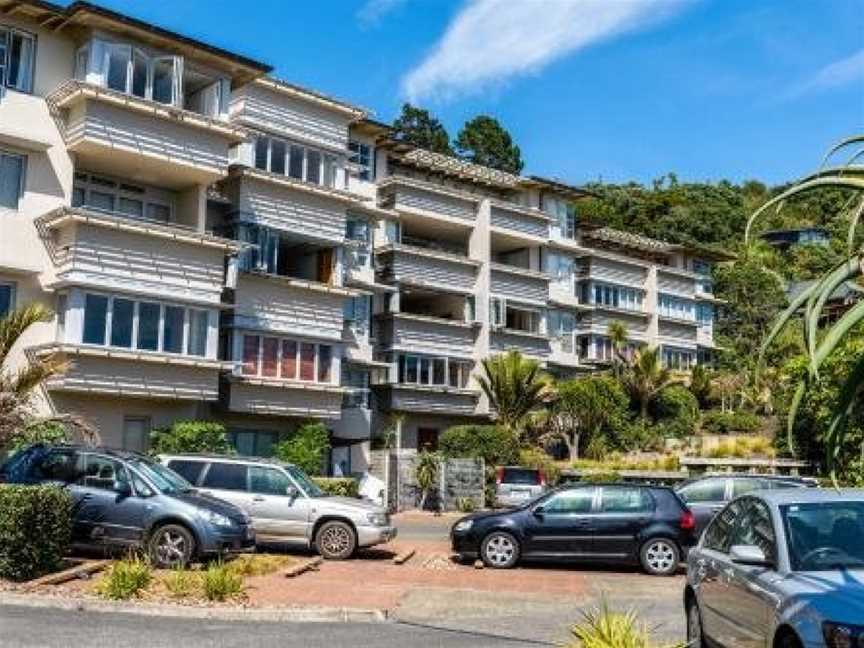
361	155
295	161
16	59
11	179
7	298
270	357
131	71
112	195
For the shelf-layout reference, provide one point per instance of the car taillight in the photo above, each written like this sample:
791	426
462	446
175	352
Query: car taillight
688	521
499	475
542	478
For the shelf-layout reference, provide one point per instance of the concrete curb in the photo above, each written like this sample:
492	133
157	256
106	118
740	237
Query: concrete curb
263	614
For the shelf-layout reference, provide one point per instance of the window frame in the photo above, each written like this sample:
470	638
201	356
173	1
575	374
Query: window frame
22	179
282	342
87	182
356	155
7	33
326	177
13	289
462	368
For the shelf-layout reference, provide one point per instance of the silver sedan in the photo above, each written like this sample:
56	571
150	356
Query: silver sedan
780	569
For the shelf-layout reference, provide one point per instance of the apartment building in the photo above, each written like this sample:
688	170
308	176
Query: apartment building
217	243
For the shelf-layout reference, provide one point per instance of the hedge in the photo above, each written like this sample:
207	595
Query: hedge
341	486
35	530
191	436
718	422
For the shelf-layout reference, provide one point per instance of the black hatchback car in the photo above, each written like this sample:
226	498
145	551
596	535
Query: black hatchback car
626	523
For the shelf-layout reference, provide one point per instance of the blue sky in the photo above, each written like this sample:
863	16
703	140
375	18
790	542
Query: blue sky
612	89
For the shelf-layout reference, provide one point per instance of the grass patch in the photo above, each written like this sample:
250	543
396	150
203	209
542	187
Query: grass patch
182	583
125	579
220	582
743	448
259	564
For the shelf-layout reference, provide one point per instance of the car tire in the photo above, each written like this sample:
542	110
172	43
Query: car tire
500	550
660	557
335	540
789	640
695	633
170	546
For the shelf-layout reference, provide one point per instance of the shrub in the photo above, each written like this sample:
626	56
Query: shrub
340	486
191	436
306	448
600	476
48	432
742	448
125	579
718	422
495	445
677	411
220	582
35	530
602	628
182	583
535	458
259	564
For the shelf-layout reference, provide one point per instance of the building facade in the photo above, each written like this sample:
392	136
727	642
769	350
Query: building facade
220	244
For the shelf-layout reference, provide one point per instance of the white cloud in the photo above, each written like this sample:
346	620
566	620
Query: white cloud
490	41
373	11
834	75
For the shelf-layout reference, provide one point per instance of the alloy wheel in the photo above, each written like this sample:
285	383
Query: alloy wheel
170	548
661	557
500	550
335	540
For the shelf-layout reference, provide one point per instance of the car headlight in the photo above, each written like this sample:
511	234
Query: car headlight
463	525
843	635
217	519
378	519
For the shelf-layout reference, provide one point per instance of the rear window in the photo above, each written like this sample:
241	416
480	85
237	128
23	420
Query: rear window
625	499
188	470
704	490
226	476
525	476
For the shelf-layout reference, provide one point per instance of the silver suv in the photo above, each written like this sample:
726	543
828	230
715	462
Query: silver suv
286	505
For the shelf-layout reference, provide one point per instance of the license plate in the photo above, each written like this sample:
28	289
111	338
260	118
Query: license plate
522	494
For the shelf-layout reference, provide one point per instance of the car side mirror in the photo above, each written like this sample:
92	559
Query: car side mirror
748	555
123	488
292	493
538	511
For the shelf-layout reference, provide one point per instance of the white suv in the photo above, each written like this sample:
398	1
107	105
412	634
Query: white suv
286	505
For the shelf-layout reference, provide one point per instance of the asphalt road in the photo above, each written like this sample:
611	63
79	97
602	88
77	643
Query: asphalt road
25	627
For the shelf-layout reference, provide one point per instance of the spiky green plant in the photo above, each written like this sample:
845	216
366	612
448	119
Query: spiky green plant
515	386
846	175
602	627
645	377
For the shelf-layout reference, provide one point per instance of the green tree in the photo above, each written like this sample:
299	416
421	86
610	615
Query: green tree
584	409
483	140
426	473
495	445
619	336
515	386
306	448
191	436
417	127
700	385
645	377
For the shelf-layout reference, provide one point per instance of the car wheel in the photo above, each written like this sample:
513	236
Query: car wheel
695	638
171	545
660	557
789	640
335	540
500	550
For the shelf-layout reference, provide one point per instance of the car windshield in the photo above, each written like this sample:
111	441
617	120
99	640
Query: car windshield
520	476
825	536
302	480
164	479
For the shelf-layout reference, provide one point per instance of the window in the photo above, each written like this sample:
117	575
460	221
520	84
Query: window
670	306
755	528
268	481
254	443
744	486
679	359
116	196
521	319
16	59
295	161
497	309
7	298
271	357
225	476
289	359
250	354
718	533
425	370
307	361
704	490
357	382
136	433
188	470
102	473
113	321
577	500
615	296
324	357
64	466
625	500
132	71
356	313
705	315
361	155
11	179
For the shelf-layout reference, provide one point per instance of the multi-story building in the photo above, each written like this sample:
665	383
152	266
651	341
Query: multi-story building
217	243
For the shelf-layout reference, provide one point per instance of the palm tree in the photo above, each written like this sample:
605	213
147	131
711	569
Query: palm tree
18	386
515	386
619	335
645	377
849	175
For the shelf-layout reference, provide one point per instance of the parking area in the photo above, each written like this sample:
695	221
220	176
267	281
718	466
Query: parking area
532	603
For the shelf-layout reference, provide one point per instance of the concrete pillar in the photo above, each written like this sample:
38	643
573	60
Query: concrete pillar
650	305
479	249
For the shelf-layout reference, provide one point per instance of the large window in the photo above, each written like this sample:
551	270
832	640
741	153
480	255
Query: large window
113	195
132	71
433	371
272	357
7	298
357	381
676	307
679	359
16	59
298	162
705	315
614	296
361	155
146	326
564	214
11	179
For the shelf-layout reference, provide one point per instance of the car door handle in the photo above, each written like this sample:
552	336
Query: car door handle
258	498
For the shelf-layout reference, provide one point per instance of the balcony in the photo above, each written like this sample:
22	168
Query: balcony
117	252
133	374
535	345
615	271
422	399
564	350
263	396
113	132
519	222
519	284
425	267
424	334
678	332
426	199
675	281
598	323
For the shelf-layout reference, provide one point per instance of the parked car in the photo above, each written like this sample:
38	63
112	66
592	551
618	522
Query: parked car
286	505
515	485
706	496
780	569
627	523
123	499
